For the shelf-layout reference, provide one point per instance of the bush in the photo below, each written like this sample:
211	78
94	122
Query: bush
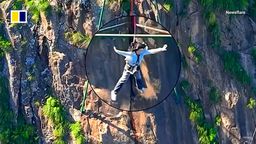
232	65
195	53
213	27
59	141
224	5
212	20
207	134
126	6
232	4
5	46
36	7
168	5
251	103
196	111
218	120
54	111
17	5
11	132
214	95
77	38
76	133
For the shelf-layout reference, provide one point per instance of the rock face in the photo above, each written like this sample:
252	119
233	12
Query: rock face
43	62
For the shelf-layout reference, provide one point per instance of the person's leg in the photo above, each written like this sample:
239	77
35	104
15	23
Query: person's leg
139	80
125	76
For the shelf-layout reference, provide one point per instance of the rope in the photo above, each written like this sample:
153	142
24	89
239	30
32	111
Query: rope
85	92
154	29
133	35
101	14
110	27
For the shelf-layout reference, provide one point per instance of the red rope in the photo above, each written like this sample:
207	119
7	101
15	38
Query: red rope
133	18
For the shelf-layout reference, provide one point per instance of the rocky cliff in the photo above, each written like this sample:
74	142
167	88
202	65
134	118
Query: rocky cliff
48	59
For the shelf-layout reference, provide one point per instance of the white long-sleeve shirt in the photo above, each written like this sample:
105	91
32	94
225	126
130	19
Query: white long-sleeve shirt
131	57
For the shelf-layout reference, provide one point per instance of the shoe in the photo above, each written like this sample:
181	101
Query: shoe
113	96
142	90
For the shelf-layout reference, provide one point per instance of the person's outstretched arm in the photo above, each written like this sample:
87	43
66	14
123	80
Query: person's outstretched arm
157	50
123	53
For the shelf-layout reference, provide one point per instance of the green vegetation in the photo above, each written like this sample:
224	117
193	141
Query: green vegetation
211	21
214	95
77	38
36	7
126	6
195	53
17	5
207	133
251	103
231	60
196	111
253	54
252	9
168	5
21	133
54	111
224	4
76	133
5	46
218	120
232	65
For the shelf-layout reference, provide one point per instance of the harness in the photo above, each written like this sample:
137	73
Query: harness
132	69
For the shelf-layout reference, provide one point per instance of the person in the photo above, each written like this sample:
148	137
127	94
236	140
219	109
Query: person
133	60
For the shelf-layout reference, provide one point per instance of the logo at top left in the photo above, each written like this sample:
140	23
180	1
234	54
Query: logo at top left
18	16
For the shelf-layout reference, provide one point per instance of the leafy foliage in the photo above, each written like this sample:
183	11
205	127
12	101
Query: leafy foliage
36	7
54	111
126	6
218	120
214	95
196	111
5	46
232	65
251	103
17	5
224	4
195	53
77	38
76	133
207	133
21	133
168	5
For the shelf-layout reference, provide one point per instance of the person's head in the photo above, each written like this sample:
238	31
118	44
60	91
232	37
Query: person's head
138	48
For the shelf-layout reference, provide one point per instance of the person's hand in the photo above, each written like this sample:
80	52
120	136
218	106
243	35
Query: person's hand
164	47
114	48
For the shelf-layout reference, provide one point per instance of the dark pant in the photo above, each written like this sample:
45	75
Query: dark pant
125	76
